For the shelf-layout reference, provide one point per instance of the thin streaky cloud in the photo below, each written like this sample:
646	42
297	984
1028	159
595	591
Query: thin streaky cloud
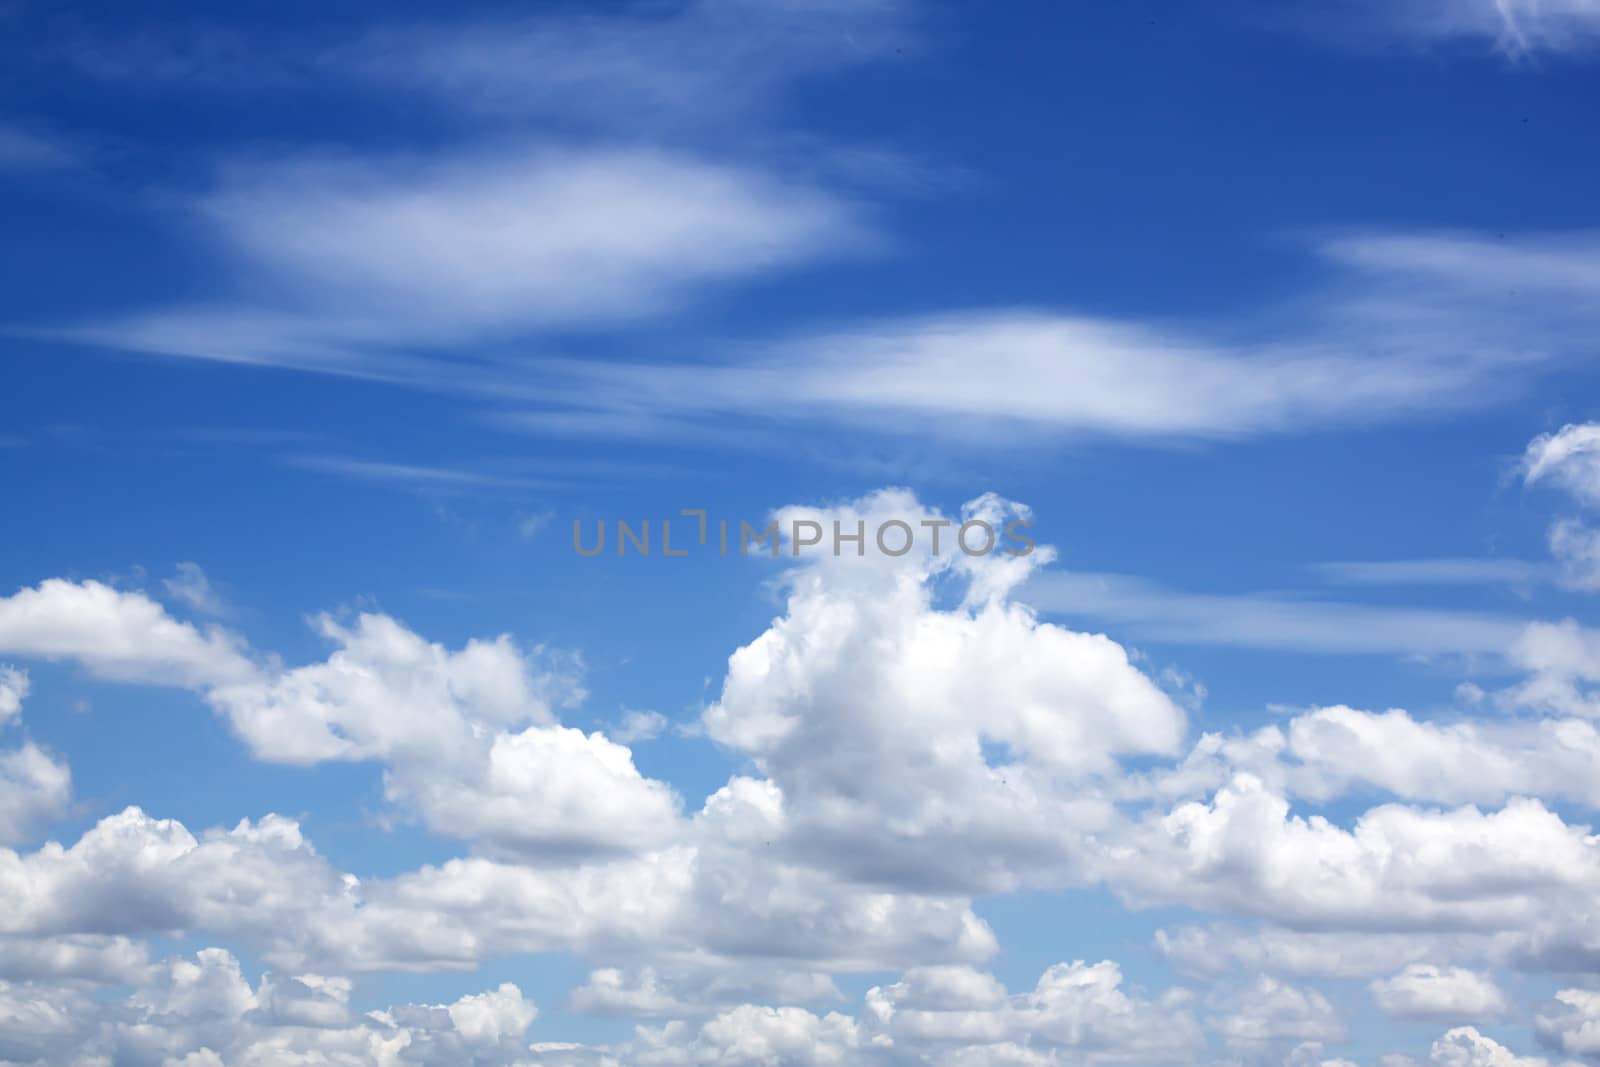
1520	31
416	475
23	150
1443	571
378	264
1149	611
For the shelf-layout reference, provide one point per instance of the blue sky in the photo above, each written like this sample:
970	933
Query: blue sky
323	329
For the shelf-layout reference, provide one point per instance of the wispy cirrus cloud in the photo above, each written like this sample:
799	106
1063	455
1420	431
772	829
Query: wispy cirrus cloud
420	476
386	276
637	65
23	150
645	65
1402	326
1441	571
369	262
1149	611
1517	29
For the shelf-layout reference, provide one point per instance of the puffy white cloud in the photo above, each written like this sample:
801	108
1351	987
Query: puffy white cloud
13	690
1563	664
96	959
1337	748
118	635
1576	546
1077	1009
202	1012
1446	994
914	736
1399	867
1218	949
1464	1046
1272	1017
1012	716
752	1036
1571	1022
34	788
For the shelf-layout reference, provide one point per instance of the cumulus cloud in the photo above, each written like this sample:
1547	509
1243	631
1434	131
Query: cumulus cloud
13	689
1443	994
1570	1021
1464	1046
35	788
118	635
820	701
1272	1018
200	1011
912	736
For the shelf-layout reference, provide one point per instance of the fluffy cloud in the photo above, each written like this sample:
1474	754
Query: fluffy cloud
13	689
1399	867
1329	752
118	635
1446	994
913	736
1010	712
1571	1022
201	1012
34	786
1271	1018
1078	1009
1466	1047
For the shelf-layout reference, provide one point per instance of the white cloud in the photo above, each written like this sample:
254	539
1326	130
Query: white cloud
1077	1009
1460	762
24	150
1569	459
914	736
1216	950
1464	1046
1149	611
34	789
1516	28
1571	1022
118	635
1563	664
201	1012
820	701
370	254
1403	325
1272	1017
1576	546
13	690
705	60
638	726
1443	994
34	786
1399	867
1425	572
190	586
